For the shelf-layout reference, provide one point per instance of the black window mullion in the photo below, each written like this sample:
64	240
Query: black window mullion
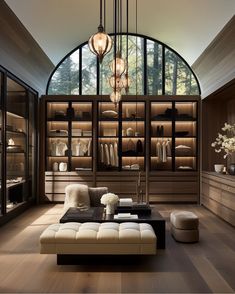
145	67
163	70
80	71
98	76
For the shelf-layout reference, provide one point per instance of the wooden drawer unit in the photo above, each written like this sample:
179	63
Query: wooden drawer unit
123	184
174	188
218	195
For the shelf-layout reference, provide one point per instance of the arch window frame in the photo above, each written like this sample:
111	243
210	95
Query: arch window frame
145	76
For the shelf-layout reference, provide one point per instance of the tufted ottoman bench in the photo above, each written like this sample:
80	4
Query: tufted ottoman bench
98	238
184	226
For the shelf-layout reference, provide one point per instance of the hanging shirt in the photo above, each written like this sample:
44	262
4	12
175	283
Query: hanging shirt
89	148
58	148
164	158
111	152
106	154
159	152
168	148
116	154
76	149
101	153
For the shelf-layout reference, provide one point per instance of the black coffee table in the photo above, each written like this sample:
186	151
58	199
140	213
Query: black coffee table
96	214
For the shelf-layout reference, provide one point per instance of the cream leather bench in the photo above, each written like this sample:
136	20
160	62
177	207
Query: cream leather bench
93	238
184	226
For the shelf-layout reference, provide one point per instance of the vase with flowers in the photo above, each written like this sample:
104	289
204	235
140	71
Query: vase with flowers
110	200
226	142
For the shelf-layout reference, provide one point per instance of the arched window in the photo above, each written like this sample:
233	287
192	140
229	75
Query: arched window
154	69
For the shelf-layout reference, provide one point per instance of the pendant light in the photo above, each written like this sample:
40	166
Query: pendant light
100	43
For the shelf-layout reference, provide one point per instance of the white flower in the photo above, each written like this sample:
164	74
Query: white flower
225	142
109	198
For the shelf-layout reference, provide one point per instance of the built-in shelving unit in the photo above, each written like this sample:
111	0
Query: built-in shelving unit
157	136
69	136
18	142
174	136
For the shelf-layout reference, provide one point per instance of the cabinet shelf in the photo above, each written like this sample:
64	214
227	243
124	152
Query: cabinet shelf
57	119
15	152
160	137
17	133
133	137
74	156
133	120
108	119
81	137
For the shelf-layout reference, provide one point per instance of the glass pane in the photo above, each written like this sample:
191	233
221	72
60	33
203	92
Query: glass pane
89	72
154	68
186	83
58	114
161	135
1	85
32	145
179	79
170	72
65	80
136	65
16	140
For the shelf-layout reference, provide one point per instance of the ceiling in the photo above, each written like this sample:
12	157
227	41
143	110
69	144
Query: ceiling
187	26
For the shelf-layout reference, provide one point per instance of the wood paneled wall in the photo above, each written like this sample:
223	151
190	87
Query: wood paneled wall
217	109
215	67
20	53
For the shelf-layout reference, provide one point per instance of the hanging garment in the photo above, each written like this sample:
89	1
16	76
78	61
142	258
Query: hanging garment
111	152
76	148
106	154
101	153
58	148
89	148
159	151
139	147
168	148
116	154
164	158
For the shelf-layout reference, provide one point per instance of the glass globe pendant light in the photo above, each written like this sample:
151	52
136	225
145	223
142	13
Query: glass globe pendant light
116	82
118	65
100	43
115	97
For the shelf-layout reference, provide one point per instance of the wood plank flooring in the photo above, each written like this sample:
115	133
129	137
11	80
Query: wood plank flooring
204	267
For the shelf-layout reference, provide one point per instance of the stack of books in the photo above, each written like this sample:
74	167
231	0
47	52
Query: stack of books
125	202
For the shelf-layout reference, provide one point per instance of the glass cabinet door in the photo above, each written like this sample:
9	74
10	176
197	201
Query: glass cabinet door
16	144
1	124
32	145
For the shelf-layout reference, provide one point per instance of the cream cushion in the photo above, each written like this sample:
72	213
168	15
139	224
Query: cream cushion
98	238
76	195
185	220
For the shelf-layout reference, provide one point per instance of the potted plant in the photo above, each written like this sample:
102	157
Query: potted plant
226	142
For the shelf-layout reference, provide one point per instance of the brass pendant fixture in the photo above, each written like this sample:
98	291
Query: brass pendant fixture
100	43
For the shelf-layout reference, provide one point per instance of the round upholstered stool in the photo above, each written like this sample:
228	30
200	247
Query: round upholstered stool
184	226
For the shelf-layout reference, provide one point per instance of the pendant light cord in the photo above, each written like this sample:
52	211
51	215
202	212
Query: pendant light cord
101	8
136	61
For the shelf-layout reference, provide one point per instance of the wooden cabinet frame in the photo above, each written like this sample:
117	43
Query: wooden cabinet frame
184	185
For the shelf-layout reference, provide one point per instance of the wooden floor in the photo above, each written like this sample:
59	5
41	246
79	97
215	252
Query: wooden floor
204	267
